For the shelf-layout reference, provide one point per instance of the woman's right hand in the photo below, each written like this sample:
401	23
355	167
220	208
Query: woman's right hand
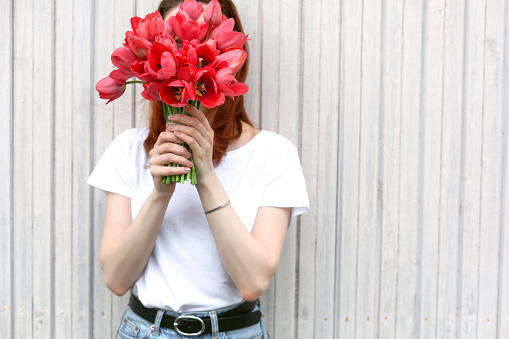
166	151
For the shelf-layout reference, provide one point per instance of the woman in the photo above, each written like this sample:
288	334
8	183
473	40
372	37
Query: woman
196	258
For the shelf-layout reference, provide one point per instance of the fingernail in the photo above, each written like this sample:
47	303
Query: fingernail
171	128
188	154
188	106
172	117
189	164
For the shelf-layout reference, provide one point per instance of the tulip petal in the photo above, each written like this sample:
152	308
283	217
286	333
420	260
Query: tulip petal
212	13
236	57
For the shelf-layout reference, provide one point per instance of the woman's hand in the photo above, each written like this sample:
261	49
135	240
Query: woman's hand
195	131
167	150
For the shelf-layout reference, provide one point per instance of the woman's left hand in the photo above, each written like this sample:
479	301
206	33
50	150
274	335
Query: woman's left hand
197	133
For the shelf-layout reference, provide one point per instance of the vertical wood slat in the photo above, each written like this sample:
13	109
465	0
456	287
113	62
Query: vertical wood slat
390	165
23	63
431	113
270	83
308	266
123	117
327	171
351	18
503	316
491	171
82	47
62	313
450	169
288	106
104	45
471	167
6	163
42	176
407	304
367	258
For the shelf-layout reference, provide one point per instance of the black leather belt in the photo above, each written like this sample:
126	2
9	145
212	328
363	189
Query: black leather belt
234	319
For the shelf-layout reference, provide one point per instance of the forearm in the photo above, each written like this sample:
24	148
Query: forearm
124	255
244	257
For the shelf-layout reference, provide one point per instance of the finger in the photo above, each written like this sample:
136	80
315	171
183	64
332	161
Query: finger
162	171
194	112
167	136
186	132
182	119
170	147
169	158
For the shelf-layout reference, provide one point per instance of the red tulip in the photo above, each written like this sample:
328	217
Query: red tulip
206	89
230	39
193	8
140	70
152	24
108	88
187	29
235	56
151	91
173	93
162	62
138	45
212	14
123	58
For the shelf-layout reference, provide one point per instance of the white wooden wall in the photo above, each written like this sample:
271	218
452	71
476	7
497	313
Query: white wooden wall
399	109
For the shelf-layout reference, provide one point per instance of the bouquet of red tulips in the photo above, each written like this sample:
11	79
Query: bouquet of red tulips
191	58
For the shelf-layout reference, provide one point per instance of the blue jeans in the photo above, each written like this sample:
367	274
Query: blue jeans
133	326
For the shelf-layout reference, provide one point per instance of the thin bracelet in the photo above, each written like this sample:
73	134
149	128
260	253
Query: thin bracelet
218	207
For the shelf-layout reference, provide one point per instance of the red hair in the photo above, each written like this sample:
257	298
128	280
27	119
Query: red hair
225	120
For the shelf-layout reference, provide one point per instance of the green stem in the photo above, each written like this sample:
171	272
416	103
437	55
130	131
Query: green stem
208	33
134	82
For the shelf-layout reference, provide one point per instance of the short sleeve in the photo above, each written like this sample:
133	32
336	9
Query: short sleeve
113	172
287	187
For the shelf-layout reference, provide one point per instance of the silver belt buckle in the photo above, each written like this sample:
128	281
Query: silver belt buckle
176	325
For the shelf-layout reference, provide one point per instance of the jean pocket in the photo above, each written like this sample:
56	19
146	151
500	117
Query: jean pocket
131	329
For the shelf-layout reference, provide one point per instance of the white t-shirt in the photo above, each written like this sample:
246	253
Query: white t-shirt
184	272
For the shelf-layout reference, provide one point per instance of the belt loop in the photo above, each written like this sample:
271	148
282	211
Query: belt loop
157	322
215	325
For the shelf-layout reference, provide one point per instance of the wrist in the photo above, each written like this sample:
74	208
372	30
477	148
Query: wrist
162	196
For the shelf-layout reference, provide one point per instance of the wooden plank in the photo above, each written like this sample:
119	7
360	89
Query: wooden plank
252	24
6	172
351	18
327	231
450	170
23	52
42	144
123	107
390	124
82	86
310	89
408	298
270	83
63	171
491	170
471	167
368	237
102	119
430	143
123	118
503	318
288	113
